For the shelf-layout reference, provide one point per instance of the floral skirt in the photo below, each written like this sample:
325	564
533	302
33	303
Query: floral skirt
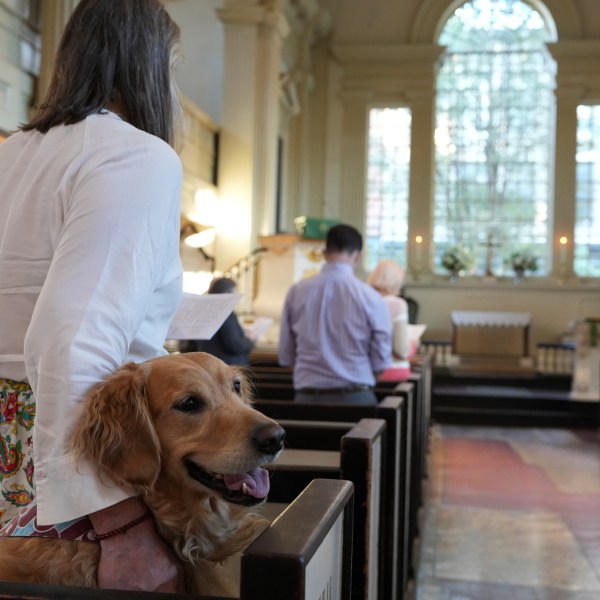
17	412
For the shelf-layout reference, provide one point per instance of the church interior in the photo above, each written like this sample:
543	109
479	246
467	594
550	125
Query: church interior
499	430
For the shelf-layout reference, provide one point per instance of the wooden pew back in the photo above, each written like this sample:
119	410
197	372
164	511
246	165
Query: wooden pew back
396	412
353	452
306	549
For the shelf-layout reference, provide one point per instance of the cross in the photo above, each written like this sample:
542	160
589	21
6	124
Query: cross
490	245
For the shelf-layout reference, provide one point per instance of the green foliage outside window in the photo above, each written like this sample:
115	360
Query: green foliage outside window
495	109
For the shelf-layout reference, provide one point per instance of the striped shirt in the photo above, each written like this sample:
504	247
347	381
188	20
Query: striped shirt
335	330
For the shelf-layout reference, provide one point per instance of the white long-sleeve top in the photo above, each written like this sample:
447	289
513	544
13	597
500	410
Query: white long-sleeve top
398	308
90	278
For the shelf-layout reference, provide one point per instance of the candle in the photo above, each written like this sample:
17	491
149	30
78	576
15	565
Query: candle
418	250
563	249
563	241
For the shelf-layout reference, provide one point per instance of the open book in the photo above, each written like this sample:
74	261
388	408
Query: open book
415	333
406	338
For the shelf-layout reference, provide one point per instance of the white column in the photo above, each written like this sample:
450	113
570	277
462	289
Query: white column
577	82
303	124
55	14
248	144
353	166
563	218
420	215
393	74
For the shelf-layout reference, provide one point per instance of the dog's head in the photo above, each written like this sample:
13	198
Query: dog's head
185	420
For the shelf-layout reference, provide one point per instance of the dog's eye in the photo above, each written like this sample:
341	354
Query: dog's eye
189	403
237	386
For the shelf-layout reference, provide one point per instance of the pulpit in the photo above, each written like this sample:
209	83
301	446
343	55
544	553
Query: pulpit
289	258
490	333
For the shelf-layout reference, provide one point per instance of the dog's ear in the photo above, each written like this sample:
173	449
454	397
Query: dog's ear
116	431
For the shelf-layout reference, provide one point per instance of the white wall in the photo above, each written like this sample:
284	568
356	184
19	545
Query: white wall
200	75
552	306
18	48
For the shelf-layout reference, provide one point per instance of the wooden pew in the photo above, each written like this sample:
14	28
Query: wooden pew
420	378
422	364
304	553
348	451
419	427
274	382
397	413
421	375
279	386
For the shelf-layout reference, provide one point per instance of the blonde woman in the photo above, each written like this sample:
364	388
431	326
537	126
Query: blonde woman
388	279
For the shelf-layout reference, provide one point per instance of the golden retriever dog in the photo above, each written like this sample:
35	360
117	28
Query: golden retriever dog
179	430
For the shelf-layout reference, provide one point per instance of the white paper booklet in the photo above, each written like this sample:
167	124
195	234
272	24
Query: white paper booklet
415	332
200	316
255	326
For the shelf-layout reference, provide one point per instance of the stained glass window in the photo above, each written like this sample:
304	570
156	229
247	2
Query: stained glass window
494	136
387	185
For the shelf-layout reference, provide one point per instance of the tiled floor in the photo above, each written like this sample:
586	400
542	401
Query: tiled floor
512	514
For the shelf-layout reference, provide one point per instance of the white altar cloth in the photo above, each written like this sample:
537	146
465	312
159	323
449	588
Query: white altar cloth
489	318
486	320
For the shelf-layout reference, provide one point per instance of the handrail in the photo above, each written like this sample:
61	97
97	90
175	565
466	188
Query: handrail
243	272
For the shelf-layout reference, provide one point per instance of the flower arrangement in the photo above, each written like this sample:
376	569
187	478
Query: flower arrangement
455	260
523	261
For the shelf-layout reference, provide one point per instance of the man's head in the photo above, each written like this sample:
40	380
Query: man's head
343	244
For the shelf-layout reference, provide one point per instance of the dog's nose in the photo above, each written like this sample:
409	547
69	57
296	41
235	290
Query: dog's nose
269	438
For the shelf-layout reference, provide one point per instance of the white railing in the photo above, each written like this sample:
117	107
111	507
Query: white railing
244	273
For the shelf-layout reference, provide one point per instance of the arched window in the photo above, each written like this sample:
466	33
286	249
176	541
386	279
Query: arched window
494	136
387	185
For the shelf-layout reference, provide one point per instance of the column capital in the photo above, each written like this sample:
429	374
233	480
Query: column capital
577	69
266	13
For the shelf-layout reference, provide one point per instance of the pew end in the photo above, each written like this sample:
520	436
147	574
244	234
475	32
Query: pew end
351	451
306	553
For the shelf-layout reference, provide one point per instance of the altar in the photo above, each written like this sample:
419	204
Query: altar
490	333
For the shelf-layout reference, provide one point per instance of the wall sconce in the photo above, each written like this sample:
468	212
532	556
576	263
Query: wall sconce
199	236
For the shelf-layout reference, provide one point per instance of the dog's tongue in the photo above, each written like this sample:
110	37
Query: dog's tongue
257	482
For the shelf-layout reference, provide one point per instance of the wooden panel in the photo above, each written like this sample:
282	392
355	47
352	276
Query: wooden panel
28	591
300	551
397	466
360	461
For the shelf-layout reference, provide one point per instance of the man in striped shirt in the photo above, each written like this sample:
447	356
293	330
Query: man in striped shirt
335	328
